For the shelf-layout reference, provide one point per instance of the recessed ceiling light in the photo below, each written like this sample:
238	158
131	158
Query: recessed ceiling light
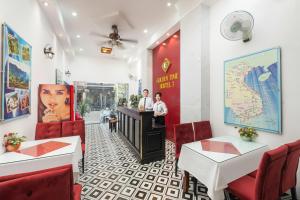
46	3
145	31
78	36
157	42
169	4
175	36
74	14
164	44
168	34
80	49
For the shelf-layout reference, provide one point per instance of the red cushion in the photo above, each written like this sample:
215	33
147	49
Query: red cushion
267	182
77	191
202	130
47	184
184	133
289	173
48	130
71	128
83	148
243	188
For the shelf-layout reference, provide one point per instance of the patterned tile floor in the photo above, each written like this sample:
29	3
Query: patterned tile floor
113	173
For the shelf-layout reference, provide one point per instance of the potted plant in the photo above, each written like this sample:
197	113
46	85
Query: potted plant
12	141
248	133
134	100
83	108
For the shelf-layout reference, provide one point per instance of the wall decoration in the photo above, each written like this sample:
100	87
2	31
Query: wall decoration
166	79
54	103
58	77
16	76
252	91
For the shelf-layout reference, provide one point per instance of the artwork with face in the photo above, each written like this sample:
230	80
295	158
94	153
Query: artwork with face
16	76
54	103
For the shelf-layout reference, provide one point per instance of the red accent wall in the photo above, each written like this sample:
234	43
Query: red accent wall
168	83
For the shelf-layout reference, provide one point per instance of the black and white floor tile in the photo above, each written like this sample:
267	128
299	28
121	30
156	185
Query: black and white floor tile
113	173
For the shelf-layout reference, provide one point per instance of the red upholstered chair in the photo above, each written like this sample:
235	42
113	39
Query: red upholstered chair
183	133
266	185
55	183
202	130
71	128
289	174
47	130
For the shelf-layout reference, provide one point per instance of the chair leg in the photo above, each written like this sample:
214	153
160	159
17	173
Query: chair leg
294	193
195	186
227	195
176	166
83	163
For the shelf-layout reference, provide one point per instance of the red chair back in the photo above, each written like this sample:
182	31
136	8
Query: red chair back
71	128
289	174
47	130
55	183
183	133
202	130
268	179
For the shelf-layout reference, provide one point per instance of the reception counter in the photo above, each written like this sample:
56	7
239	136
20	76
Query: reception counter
146	138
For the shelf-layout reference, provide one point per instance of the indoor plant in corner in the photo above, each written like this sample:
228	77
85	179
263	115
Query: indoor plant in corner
12	141
248	133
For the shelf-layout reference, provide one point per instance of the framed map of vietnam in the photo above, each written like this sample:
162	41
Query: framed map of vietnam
252	91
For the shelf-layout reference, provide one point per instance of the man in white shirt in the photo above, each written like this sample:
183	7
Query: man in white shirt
146	102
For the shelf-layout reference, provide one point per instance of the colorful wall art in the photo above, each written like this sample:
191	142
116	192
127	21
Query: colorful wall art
16	76
253	91
54	103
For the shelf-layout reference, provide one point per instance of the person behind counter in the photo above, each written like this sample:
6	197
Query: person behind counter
160	109
146	102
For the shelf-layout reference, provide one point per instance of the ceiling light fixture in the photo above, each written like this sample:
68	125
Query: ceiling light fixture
78	36
175	36
46	3
145	31
169	4
164	44
168	34
157	42
74	14
68	73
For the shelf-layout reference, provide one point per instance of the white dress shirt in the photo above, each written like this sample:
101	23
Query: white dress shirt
161	107
147	104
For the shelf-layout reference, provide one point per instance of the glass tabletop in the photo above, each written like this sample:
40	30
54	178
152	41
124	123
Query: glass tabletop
40	149
220	149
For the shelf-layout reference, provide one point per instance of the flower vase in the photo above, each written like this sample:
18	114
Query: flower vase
248	139
11	147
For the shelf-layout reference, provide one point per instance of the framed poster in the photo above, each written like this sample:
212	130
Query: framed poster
16	76
54	103
252	92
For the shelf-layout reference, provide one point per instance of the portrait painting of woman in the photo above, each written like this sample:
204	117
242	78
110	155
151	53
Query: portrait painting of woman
54	103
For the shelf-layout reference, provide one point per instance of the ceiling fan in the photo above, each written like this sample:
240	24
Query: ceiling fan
115	39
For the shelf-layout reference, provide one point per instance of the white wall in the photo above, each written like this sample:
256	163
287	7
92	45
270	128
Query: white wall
99	70
277	23
26	18
194	65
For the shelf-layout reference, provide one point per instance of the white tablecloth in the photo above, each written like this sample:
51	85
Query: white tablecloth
16	163
216	170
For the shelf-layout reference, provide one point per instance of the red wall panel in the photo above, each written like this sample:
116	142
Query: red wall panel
168	83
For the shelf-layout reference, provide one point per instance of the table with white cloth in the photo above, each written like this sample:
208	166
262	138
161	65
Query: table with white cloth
42	158
218	161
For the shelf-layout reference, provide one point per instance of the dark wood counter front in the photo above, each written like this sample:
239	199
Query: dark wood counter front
146	139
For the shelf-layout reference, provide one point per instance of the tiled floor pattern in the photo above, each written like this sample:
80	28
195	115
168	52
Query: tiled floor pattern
113	173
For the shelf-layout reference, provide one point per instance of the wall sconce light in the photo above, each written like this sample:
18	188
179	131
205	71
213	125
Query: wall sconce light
68	73
48	51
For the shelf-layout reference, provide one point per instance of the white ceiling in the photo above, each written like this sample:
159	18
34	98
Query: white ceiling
131	16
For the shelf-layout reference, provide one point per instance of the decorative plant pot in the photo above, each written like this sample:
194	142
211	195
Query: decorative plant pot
248	139
11	148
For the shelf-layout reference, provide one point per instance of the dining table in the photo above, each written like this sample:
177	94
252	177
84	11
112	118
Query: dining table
217	161
43	154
